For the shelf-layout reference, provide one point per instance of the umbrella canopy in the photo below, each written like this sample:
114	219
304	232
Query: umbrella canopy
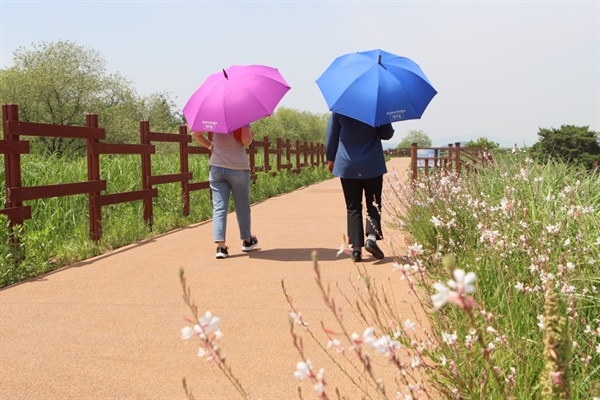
234	98
376	87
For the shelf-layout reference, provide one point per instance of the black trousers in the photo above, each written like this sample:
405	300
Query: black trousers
353	194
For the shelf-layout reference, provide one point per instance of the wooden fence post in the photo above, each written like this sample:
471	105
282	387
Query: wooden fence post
12	172
297	151
93	164
12	162
146	173
450	158
267	153
184	167
413	160
458	163
279	151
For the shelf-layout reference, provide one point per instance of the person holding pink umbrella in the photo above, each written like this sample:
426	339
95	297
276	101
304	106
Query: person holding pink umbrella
225	104
229	174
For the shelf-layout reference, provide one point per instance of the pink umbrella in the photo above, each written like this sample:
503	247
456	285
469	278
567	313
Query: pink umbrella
234	98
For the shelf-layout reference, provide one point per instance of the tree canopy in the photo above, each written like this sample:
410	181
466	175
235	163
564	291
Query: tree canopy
415	136
287	123
482	142
569	144
59	82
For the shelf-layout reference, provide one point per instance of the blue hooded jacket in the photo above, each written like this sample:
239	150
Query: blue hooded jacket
355	147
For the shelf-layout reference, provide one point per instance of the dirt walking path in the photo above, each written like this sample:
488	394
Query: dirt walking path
109	327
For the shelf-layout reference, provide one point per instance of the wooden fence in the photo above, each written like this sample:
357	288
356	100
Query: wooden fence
453	158
289	157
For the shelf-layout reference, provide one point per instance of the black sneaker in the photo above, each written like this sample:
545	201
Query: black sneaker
222	252
356	255
371	247
248	245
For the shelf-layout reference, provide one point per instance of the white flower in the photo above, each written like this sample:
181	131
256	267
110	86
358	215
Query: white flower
297	317
541	322
441	296
209	323
198	331
303	369
337	344
409	325
490	329
463	283
341	250
570	265
415	250
449	338
519	286
436	222
471	337
186	333
319	387
385	345
415	362
369	336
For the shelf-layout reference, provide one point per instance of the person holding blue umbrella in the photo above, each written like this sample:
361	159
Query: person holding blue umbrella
367	91
355	154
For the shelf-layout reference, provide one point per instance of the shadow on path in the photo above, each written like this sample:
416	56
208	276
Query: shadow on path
292	255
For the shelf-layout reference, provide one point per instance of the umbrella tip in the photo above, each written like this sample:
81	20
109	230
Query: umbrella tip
379	61
226	77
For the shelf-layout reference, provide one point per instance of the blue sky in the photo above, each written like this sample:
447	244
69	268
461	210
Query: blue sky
502	69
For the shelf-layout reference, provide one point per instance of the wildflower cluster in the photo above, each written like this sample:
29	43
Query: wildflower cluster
502	263
206	329
526	232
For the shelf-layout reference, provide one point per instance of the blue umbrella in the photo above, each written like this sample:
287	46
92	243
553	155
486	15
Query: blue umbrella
376	87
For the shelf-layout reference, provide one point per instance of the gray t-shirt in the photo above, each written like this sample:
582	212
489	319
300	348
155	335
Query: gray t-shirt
227	153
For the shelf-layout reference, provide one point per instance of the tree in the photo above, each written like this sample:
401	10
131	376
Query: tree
482	142
413	136
59	82
287	123
569	144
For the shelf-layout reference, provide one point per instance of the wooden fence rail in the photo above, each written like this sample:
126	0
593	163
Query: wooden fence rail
453	158
291	157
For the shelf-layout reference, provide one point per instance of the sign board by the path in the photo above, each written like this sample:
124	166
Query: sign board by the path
424	154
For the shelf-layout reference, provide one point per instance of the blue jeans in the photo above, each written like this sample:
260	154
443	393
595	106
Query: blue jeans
224	181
